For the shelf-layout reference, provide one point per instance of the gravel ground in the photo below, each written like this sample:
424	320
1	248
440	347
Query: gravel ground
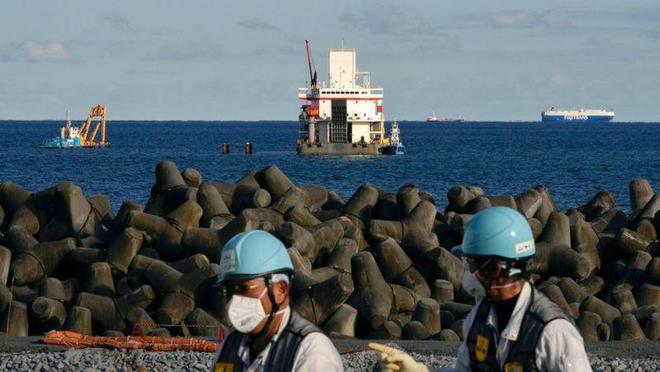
138	360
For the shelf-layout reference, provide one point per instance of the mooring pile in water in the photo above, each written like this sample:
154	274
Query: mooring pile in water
376	266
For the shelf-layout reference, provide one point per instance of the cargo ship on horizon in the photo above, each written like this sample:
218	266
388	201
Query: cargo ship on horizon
581	115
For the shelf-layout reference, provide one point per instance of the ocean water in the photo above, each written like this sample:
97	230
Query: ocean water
574	160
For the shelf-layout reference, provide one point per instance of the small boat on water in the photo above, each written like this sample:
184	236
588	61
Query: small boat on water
435	119
395	147
72	137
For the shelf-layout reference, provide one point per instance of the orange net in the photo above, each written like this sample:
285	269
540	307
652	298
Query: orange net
151	343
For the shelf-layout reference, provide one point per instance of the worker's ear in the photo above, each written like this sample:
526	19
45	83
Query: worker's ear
281	291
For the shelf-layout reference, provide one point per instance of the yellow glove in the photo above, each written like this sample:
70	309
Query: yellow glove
395	360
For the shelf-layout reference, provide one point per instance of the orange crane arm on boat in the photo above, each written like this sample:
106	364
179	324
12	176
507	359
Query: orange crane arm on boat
98	111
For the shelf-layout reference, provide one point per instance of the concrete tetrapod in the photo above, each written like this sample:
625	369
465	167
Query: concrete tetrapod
340	258
190	263
634	272
407	199
606	311
167	176
372	296
652	330
326	235
602	202
52	288
166	237
178	290
141	297
403	299
503	201
191	177
547	205
103	309
79	319
477	204
49	313
25	217
342	322
28	267
584	240
646	229
626	328
653	270
554	293
444	265
640	193
274	181
648	294
324	298
19	240
529	202
14	320
396	267
631	241
651	209
623	299
415	330
571	290
138	316
302	216
415	231
587	323
296	236
12	196
5	261
241	196
121	219
101	205
99	280
124	248
202	323
427	312
216	214
458	197
442	291
388	330
360	205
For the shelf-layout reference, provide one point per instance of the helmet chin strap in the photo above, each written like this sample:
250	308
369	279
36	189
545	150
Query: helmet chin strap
274	311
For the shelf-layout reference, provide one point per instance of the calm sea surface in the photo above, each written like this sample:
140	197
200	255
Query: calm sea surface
573	160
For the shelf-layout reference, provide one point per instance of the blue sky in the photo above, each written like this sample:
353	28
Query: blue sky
218	60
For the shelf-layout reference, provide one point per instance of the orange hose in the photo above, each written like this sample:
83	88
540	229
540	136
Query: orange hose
152	343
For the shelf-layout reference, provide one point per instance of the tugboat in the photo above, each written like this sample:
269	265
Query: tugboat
395	147
69	137
344	116
73	137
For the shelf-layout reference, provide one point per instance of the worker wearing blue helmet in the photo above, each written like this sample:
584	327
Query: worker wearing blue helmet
255	272
512	327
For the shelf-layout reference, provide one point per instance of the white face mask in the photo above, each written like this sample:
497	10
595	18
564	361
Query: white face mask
473	286
245	313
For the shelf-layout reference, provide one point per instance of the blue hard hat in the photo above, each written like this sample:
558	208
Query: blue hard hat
253	254
498	232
